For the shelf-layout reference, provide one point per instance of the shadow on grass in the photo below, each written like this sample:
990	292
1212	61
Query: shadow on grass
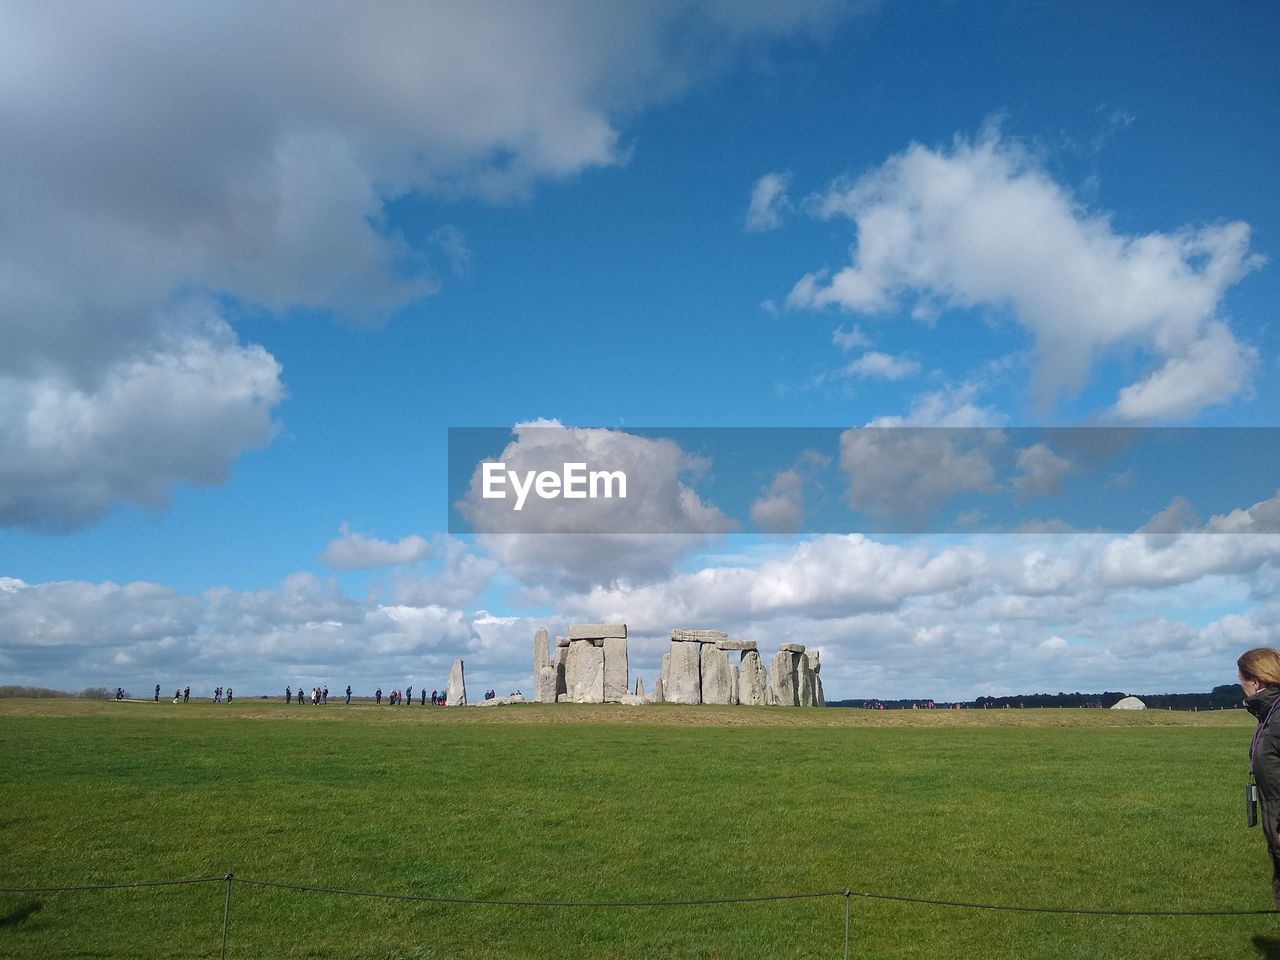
1268	947
20	913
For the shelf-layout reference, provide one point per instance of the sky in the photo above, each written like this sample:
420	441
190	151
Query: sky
252	275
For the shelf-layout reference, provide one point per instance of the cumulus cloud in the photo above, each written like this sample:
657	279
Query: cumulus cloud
875	365
140	170
1042	471
983	225
768	202
661	518
780	508
354	551
850	339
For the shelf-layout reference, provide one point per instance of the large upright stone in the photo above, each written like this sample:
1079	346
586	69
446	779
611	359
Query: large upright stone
783	682
584	672
616	671
597	631
639	691
544	671
683	680
562	659
716	676
751	686
805	692
657	691
455	693
819	699
733	684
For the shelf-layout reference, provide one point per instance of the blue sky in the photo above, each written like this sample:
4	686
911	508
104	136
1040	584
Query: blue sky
249	277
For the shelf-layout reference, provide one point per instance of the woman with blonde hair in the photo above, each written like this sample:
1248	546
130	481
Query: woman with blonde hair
1260	680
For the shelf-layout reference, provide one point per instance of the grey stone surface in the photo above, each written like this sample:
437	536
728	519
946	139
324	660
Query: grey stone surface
783	682
455	693
736	644
820	698
597	631
733	684
716	675
545	686
584	672
631	700
681	635
768	696
813	661
657	691
1129	703
751	683
562	641
683	681
562	658
544	672
664	675
500	701
639	690
616	670
792	647
805	692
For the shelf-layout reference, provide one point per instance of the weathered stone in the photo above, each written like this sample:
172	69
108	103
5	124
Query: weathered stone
813	661
805	693
562	641
736	644
751	685
545	690
664	675
820	699
715	675
597	631
584	672
562	658
639	691
616	670
500	701
657	691
681	635
594	641
683	681
562	698
768	696
733	684
783	682
455	693
631	700
544	672
792	647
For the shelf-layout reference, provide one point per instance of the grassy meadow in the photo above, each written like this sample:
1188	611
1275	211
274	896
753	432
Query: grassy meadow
1082	808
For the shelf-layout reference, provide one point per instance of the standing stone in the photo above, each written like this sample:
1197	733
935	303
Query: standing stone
683	682
544	671
783	682
455	693
584	672
819	699
733	684
664	677
805	693
657	691
616	670
751	685
640	687
768	696
562	659
715	674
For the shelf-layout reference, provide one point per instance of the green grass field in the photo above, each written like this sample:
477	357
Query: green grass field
1092	809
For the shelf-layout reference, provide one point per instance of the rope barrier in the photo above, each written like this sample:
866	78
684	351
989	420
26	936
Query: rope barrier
111	886
1069	910
538	903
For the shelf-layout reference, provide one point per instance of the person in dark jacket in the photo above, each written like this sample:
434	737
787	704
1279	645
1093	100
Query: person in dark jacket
1260	681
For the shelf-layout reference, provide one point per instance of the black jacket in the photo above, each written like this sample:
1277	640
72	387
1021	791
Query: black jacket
1266	760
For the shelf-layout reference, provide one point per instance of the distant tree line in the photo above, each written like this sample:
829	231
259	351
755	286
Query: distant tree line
1219	698
88	693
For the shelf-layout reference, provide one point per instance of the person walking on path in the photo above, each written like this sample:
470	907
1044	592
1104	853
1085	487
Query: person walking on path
348	694
157	693
229	694
1260	680
186	694
424	696
377	697
288	694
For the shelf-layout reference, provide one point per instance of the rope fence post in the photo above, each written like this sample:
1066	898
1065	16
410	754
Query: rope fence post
848	897
226	912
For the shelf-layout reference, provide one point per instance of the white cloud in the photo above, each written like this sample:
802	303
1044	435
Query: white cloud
768	202
875	365
661	518
780	508
1042	471
139	168
984	225
354	551
850	339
